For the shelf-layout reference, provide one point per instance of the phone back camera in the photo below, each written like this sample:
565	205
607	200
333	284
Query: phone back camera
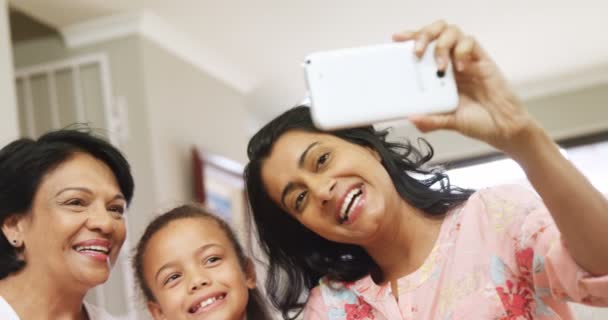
440	73
307	61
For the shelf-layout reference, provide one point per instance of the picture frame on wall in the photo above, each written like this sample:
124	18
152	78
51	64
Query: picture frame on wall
219	186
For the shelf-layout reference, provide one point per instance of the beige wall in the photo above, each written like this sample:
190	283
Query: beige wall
563	115
574	113
187	107
8	108
171	106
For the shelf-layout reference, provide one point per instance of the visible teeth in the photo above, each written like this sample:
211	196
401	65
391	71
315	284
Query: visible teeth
210	301
346	205
207	302
93	248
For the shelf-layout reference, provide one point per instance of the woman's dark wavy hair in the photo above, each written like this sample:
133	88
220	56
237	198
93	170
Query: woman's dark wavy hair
25	162
256	305
297	257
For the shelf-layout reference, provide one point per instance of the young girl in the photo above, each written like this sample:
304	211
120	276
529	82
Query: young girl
189	264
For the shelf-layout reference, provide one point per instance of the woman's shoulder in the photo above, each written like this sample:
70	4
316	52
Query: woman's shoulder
516	199
6	311
97	313
515	192
502	210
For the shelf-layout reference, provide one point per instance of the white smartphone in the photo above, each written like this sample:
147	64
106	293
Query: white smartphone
361	86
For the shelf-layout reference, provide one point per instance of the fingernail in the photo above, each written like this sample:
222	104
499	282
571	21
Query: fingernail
459	66
419	45
441	63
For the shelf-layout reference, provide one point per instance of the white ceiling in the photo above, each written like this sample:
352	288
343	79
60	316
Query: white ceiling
534	41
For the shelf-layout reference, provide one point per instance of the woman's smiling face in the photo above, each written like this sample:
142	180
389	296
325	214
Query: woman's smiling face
335	188
75	224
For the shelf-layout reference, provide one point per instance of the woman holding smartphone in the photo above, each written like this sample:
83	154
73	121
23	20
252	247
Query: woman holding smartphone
356	228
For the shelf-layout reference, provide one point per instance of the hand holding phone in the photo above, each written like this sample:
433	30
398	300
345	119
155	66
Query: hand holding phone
361	86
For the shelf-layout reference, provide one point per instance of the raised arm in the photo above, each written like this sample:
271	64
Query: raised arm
490	111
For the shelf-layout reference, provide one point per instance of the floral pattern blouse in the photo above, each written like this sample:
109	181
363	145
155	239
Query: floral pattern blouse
498	256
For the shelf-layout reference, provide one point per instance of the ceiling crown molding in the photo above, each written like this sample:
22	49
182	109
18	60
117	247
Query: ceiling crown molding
154	28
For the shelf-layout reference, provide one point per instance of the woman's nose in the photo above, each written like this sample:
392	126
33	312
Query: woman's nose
323	189
99	219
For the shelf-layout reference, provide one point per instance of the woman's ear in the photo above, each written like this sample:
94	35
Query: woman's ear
155	310
13	228
250	276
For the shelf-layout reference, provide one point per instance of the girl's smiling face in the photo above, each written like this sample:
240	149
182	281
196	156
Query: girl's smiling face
194	272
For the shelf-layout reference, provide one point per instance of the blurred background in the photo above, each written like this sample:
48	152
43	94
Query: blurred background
181	85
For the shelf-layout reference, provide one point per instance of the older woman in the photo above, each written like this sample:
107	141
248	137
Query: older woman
62	201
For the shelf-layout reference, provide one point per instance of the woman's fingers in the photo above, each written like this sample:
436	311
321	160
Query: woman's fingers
450	40
404	36
428	34
427	123
464	53
447	40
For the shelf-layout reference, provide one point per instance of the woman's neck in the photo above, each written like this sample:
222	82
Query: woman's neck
405	242
34	294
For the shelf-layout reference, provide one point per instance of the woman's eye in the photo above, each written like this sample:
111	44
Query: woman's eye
117	209
300	200
322	159
213	260
75	202
171	278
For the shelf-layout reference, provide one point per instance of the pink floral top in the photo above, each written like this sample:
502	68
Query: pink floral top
498	256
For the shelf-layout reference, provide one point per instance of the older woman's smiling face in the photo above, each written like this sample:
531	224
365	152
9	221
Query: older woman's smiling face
75	225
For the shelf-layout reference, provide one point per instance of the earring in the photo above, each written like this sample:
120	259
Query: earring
15	242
